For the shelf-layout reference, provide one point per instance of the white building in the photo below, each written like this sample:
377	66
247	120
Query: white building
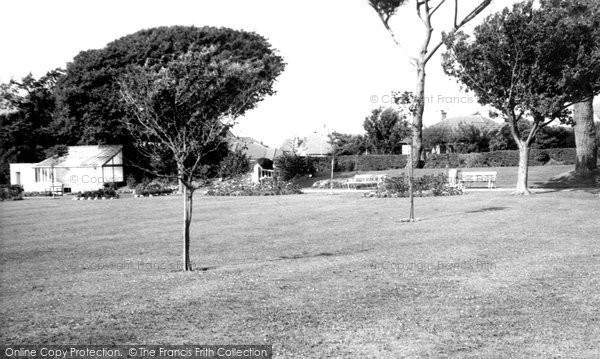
84	168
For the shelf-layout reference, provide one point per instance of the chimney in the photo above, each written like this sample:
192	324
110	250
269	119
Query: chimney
443	114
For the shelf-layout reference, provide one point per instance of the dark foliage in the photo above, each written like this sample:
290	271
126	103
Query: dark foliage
234	164
11	192
290	165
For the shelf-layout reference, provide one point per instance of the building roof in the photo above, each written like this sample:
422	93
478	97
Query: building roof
83	156
252	148
475	119
314	145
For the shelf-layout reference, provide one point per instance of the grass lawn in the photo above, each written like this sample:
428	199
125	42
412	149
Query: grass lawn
485	275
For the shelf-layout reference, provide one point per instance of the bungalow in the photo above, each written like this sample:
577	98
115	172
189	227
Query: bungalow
83	168
316	145
446	126
252	148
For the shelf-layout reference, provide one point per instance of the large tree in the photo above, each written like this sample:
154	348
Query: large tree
347	144
385	129
90	108
425	9
26	109
182	108
520	63
582	16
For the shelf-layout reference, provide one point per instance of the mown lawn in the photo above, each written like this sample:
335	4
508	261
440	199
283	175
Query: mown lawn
482	275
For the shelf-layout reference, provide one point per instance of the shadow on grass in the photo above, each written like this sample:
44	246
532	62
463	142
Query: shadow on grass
587	182
281	258
487	209
322	254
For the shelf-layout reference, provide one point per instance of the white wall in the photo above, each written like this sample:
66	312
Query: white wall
22	174
78	179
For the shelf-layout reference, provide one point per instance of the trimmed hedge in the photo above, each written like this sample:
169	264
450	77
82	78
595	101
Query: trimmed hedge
359	163
364	163
537	157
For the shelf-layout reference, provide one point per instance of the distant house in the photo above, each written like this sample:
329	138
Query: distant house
449	124
316	145
252	148
84	168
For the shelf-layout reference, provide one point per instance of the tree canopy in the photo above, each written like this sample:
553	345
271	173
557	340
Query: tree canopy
90	108
386	129
527	63
180	107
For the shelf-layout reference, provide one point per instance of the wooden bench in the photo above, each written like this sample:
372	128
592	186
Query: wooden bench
365	180
488	177
56	190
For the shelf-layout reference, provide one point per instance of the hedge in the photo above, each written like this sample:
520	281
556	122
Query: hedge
360	163
363	163
537	157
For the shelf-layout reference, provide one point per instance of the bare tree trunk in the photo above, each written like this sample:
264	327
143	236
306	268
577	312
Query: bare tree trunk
187	220
585	137
417	135
522	185
179	178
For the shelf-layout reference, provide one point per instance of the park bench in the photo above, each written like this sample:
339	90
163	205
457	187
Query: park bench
488	177
365	180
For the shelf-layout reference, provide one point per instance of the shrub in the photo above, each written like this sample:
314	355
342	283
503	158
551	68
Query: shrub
428	185
244	187
110	185
542	157
155	187
234	164
290	165
37	194
131	182
105	192
11	192
337	183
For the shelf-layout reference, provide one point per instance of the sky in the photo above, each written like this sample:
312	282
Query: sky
341	62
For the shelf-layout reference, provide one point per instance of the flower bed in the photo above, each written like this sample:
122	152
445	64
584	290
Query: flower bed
325	184
105	193
245	187
156	187
428	185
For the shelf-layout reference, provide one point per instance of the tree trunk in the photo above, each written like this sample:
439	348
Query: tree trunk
585	137
522	186
179	179
417	135
187	220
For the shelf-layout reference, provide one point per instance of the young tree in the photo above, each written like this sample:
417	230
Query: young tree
182	109
386	9
385	129
519	63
